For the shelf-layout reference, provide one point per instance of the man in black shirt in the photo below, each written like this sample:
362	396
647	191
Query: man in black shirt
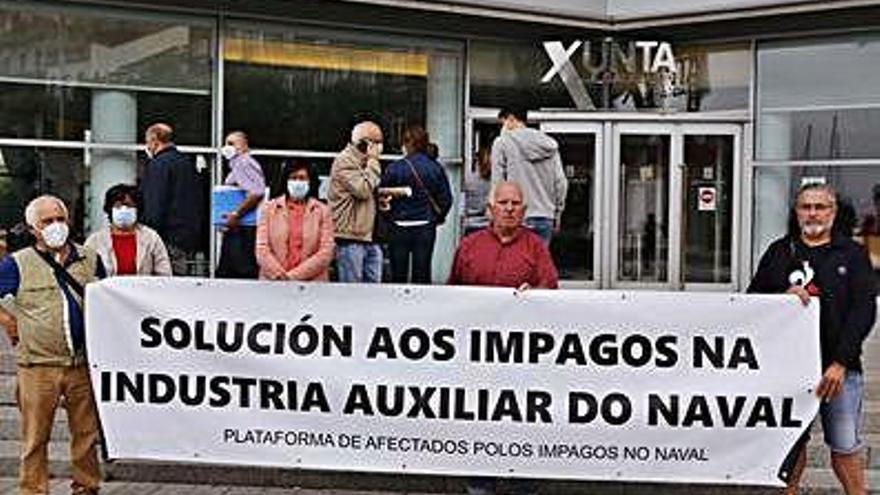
819	261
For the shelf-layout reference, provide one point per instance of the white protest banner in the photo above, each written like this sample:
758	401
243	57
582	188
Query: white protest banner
639	386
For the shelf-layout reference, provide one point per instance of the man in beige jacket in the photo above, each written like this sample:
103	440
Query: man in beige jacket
48	332
354	177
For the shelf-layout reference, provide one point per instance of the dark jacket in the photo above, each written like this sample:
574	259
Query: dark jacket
417	206
848	305
174	199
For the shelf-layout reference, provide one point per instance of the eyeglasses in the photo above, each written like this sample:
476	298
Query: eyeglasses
818	207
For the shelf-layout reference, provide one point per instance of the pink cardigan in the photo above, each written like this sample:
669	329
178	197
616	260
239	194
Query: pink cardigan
272	241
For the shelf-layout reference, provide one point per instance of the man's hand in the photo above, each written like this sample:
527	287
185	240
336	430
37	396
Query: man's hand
232	221
832	382
557	225
374	149
384	202
799	291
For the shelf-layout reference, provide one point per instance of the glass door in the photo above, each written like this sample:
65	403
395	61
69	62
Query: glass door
710	209
642	211
575	248
674	206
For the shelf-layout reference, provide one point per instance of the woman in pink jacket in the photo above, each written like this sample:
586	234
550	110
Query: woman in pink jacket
295	230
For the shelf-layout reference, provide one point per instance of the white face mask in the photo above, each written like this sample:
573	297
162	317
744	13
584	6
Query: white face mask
298	189
123	216
149	152
55	234
228	151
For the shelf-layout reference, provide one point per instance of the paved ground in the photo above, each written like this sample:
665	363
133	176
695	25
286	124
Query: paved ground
60	487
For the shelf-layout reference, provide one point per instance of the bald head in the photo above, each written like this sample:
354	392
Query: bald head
366	130
238	140
508	207
161	132
506	188
157	138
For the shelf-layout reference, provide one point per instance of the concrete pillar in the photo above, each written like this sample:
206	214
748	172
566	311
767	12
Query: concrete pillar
444	125
114	120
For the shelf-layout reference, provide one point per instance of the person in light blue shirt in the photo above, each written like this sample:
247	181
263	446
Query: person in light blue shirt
237	251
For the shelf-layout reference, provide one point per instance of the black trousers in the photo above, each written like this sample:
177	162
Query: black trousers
410	250
238	257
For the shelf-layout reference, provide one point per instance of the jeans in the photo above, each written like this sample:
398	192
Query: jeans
541	226
39	389
416	244
358	262
841	417
238	257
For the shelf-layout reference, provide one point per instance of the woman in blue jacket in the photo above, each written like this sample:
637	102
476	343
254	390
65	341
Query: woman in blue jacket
415	217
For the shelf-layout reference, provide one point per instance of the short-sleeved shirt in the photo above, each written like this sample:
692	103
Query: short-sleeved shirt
246	173
482	259
10	281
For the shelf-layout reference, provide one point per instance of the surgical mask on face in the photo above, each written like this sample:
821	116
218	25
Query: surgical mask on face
123	216
55	234
149	152
298	189
228	151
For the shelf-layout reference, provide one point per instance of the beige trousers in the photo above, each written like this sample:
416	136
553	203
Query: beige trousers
40	389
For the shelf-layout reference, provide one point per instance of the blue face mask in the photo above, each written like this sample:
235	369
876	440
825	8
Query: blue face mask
298	189
124	216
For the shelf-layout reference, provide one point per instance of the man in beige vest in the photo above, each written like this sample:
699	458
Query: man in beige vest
46	327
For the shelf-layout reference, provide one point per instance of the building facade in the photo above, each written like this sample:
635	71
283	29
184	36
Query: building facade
684	127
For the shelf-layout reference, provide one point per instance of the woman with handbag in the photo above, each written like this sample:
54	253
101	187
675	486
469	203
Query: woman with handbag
295	230
415	217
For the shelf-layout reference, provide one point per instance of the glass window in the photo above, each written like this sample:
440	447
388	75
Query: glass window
27	172
69	113
103	46
478	177
300	88
711	77
859	209
58	64
819	99
707	77
504	74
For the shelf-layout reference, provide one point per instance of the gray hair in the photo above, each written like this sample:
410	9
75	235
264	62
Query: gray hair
30	212
496	185
817	186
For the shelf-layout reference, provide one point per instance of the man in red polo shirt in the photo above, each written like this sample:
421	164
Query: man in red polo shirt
504	254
